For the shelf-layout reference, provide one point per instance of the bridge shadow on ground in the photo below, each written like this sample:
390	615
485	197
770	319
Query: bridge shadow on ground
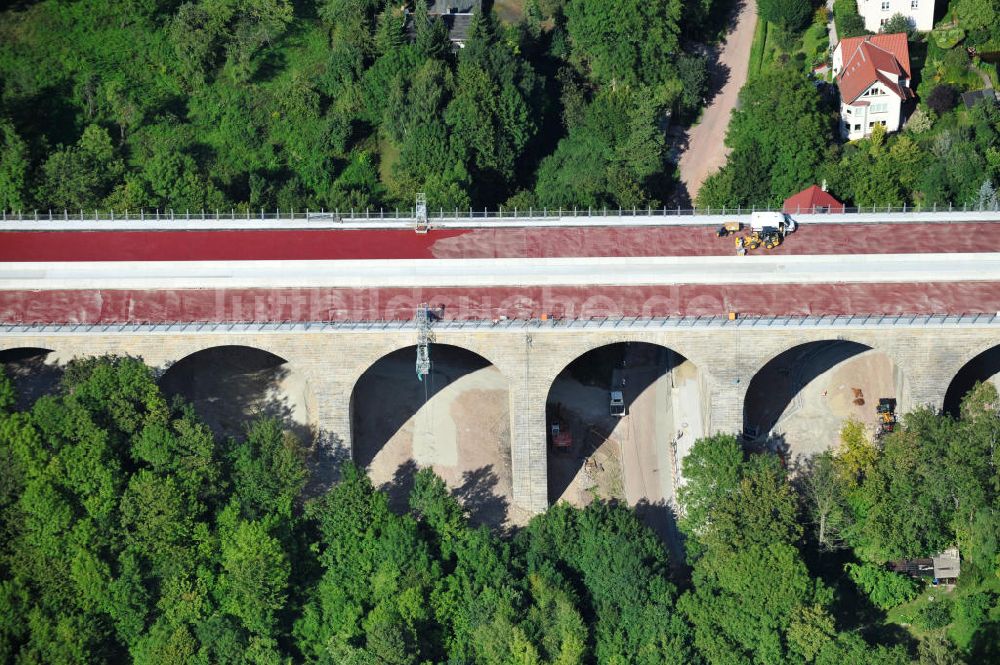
456	421
229	386
31	376
389	394
662	519
478	494
978	370
774	387
579	400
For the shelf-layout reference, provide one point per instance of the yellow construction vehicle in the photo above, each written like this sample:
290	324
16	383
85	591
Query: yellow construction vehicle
749	242
767	230
728	229
771	239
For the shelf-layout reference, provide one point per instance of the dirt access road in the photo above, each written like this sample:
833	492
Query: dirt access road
705	152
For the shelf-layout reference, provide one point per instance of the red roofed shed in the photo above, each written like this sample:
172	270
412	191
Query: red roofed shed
812	200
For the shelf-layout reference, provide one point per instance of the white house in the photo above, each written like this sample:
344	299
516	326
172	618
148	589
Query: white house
877	12
873	75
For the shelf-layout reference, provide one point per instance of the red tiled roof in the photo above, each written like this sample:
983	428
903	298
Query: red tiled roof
866	58
809	199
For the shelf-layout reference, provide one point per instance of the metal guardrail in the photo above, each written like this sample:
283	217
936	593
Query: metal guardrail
607	323
410	214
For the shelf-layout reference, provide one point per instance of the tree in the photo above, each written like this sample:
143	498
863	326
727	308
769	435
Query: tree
772	160
621	569
851	25
987	197
269	470
255	575
920	121
693	74
612	158
897	23
625	41
977	13
253	25
712	471
431	34
13	168
824	499
884	588
942	98
938	650
790	14
81	176
752	596
491	117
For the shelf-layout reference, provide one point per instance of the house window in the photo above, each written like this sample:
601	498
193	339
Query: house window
885	5
857	128
880	108
914	4
870	125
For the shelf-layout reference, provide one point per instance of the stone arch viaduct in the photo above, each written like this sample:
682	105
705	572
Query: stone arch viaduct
928	352
331	296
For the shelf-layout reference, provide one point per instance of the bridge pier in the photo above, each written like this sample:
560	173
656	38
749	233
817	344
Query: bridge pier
333	419
529	447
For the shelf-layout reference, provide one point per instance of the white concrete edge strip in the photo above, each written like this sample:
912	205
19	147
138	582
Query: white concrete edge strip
485	273
318	221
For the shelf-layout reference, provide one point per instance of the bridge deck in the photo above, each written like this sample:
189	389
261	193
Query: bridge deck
482	243
326	270
337	304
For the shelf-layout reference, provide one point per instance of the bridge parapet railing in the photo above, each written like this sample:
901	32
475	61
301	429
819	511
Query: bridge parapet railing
376	215
514	324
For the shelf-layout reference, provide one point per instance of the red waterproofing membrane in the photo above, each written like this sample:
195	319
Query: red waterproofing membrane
326	304
509	242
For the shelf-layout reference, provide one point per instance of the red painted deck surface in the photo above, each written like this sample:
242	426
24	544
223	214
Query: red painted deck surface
512	242
117	306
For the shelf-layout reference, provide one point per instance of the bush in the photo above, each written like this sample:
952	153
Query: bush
884	589
920	121
973	610
956	61
947	38
936	614
942	98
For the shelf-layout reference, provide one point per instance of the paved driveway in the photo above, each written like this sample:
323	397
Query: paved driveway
705	152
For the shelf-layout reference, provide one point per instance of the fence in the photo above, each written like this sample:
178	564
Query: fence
515	325
410	214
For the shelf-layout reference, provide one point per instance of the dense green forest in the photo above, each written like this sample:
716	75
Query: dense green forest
343	103
130	534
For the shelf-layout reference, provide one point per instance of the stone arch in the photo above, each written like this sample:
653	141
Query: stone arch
32	372
798	397
455	420
230	383
980	366
569	349
634	457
